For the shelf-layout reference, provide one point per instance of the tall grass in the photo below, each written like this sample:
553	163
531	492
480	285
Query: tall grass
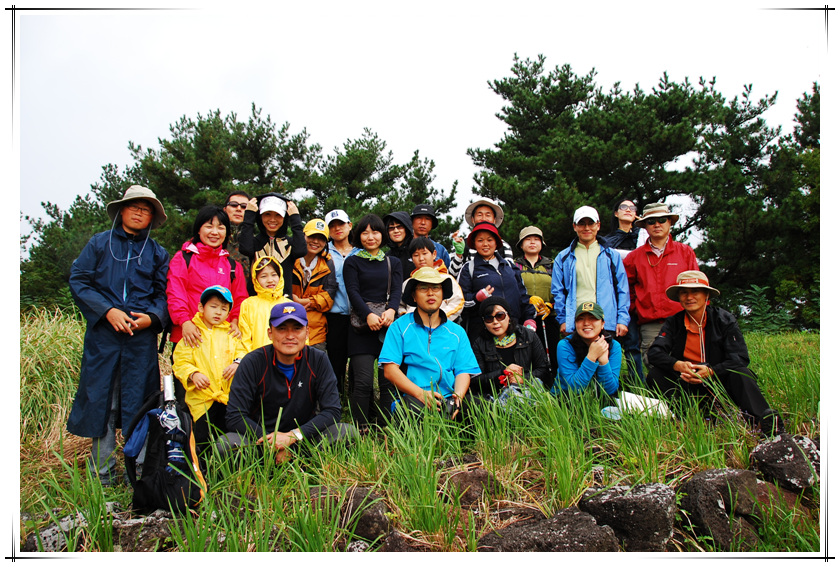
542	453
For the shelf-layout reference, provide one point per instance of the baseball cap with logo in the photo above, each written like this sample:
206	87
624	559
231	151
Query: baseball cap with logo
316	226
336	214
216	291
590	307
290	310
586	212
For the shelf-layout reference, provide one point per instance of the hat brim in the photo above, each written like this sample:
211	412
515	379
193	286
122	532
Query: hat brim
411	284
113	209
519	244
472	235
640	222
673	292
468	214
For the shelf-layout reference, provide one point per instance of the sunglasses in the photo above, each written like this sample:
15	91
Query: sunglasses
395	227
631	208
500	316
660	220
240	205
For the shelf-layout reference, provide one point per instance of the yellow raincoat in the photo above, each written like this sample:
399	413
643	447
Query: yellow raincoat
255	311
216	351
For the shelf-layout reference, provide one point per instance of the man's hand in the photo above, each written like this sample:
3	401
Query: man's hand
620	330
692	373
252	205
279	442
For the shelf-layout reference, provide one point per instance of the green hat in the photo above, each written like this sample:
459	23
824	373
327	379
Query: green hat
590	307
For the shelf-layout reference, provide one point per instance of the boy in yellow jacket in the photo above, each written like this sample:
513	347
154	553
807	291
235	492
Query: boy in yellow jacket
207	369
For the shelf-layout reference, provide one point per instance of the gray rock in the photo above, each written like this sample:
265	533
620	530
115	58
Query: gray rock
396	542
641	517
370	508
568	530
787	461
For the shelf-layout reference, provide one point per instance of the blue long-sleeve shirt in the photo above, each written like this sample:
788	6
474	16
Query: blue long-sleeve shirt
575	376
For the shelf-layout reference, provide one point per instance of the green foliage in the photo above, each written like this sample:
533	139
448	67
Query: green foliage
206	158
762	317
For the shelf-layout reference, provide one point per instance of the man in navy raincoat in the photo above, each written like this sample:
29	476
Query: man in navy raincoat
119	284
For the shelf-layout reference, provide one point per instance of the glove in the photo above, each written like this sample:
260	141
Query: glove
459	247
540	306
531	324
481	295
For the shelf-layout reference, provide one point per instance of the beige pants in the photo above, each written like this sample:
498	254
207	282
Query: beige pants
648	333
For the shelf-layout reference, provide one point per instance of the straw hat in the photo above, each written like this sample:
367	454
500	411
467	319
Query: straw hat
690	279
468	214
656	210
425	275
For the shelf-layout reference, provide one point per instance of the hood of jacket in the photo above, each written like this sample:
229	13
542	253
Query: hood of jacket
198	319
203	250
265	293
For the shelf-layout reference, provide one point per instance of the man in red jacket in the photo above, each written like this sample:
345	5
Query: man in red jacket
651	269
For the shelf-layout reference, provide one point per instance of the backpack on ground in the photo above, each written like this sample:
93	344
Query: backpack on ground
170	477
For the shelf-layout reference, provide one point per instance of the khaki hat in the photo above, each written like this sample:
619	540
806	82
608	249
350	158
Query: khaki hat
468	214
656	210
529	231
425	275
690	279
138	192
316	226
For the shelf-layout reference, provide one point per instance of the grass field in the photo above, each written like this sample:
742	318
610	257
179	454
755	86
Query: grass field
543	457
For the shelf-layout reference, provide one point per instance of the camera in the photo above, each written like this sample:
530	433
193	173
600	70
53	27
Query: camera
449	407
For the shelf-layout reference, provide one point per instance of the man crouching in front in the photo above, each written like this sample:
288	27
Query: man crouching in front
285	392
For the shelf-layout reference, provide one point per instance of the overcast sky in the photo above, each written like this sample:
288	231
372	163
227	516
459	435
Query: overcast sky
92	81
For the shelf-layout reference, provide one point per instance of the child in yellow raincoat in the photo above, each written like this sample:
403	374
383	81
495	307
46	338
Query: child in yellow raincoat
267	276
207	369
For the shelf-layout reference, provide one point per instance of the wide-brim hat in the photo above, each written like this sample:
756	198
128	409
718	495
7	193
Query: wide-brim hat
529	231
656	210
428	210
690	279
425	275
138	192
489	227
468	214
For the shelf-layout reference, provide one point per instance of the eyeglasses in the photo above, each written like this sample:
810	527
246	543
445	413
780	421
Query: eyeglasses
586	222
631	208
500	316
240	205
395	227
423	288
139	209
652	221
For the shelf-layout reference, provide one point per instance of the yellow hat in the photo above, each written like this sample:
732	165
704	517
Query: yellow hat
316	226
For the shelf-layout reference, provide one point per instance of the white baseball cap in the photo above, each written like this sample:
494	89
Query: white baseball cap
336	214
586	212
272	203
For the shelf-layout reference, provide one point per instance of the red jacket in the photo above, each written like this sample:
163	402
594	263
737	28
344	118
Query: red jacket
649	275
208	266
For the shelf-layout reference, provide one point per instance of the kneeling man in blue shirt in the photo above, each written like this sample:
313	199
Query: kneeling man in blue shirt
425	356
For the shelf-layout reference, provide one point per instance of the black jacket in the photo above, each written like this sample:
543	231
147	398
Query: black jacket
623	240
725	346
529	353
259	390
285	250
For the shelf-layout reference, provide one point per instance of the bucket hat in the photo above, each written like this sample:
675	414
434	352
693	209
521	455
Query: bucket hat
468	214
425	275
656	210
690	279
138	192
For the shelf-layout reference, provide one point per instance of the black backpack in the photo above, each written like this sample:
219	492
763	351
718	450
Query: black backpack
170	477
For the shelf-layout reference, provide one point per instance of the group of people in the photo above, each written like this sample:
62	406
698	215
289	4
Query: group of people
263	358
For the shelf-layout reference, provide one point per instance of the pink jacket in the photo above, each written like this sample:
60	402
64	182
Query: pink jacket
208	266
649	275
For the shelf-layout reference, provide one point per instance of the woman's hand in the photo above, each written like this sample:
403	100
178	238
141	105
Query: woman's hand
597	349
373	321
191	334
432	399
234	329
291	208
517	374
484	293
387	317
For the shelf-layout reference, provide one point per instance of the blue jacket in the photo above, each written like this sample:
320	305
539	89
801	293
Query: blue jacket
341	303
126	272
575	371
611	290
507	283
432	357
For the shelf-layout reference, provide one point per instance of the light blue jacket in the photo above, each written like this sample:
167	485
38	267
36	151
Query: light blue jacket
611	290
341	303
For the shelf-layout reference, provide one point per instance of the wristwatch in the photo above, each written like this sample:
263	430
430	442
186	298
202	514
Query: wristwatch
298	435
